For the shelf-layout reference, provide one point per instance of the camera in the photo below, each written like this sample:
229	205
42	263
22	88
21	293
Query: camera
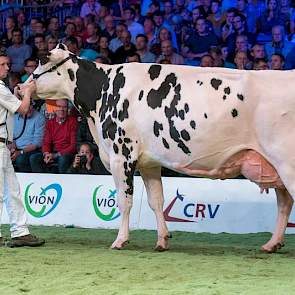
83	160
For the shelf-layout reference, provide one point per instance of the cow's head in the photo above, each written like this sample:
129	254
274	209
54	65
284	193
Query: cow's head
55	78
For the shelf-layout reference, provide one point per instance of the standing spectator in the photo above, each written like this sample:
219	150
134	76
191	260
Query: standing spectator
30	140
169	54
133	27
18	52
277	61
59	143
9	185
90	7
142	49
127	48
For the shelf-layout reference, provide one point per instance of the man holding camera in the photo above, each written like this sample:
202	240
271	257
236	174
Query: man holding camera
85	162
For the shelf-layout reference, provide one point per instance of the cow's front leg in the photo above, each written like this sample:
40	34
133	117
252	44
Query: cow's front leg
285	203
123	171
153	185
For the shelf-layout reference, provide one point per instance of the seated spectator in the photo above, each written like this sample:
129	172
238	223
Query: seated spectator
133	27
142	49
199	43
258	51
93	37
18	52
117	41
216	18
277	61
164	61
219	60
59	143
126	49
110	29
163	35
207	61
280	45
149	27
269	18
51	42
40	47
241	60
169	54
85	162
133	57
30	66
10	24
260	64
104	50
27	141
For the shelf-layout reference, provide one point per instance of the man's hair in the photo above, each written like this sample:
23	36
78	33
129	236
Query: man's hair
3	53
27	60
72	40
132	54
39	35
142	36
281	56
260	59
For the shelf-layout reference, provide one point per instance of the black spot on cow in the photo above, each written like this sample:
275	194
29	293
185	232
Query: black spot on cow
123	114
181	114
227	90
120	131
224	97
155	97
71	74
240	97
215	83
127	140
58	73
157	128
116	149
185	135
193	124
129	172
123	132
170	113
205	115
234	113
165	143
155	71
200	82
186	108
120	139
109	128
126	151
140	95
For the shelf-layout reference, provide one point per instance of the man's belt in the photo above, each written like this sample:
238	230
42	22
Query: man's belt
5	140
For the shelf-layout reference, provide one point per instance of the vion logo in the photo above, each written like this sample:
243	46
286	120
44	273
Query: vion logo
105	204
40	203
189	212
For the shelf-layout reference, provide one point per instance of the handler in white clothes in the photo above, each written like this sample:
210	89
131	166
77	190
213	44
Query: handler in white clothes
9	185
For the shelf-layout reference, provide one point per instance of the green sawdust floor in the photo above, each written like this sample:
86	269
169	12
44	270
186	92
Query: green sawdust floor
79	261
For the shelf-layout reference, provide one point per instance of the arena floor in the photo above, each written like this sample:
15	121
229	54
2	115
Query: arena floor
79	262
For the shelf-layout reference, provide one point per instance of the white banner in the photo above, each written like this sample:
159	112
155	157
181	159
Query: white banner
191	204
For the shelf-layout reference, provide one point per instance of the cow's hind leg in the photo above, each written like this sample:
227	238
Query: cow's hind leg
153	185
285	203
123	171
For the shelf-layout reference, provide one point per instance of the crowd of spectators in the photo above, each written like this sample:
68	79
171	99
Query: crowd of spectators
241	34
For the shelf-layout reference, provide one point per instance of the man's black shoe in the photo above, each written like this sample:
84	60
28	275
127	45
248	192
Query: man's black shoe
27	240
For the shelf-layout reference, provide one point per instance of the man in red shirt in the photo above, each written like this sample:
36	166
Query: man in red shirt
59	143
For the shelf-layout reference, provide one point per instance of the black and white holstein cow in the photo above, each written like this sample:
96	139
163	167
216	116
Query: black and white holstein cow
208	122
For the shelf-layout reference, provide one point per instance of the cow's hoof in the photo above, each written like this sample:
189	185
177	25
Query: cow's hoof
119	245
272	248
162	244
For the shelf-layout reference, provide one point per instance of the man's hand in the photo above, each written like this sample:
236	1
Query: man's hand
76	162
48	158
27	88
14	154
